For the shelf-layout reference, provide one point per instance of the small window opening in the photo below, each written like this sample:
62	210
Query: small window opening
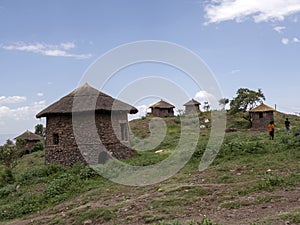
55	139
261	115
124	132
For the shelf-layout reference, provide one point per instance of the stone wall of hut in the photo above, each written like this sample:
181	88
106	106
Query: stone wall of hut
192	109
94	134
260	120
162	112
29	145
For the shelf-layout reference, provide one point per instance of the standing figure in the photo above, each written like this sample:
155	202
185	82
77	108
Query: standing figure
271	128
287	125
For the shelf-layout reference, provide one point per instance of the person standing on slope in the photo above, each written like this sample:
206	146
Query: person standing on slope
271	128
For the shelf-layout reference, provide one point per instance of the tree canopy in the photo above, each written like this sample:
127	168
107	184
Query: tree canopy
9	155
40	130
246	99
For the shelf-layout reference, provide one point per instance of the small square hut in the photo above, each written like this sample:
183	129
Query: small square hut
261	117
192	106
162	109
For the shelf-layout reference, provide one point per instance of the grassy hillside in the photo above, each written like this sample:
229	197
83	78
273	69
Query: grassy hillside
253	180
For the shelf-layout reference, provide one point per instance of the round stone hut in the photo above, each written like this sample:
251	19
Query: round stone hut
87	126
261	117
30	139
162	109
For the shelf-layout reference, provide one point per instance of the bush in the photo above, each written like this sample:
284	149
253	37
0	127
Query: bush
59	188
87	173
6	177
44	171
39	146
9	155
8	189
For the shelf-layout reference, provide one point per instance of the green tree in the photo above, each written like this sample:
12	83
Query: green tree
20	145
246	99
40	130
223	102
9	155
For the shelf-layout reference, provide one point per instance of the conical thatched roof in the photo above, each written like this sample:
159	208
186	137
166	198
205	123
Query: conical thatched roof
29	136
85	99
192	102
162	105
262	108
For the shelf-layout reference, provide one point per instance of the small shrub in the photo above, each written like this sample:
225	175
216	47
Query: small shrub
9	155
87	173
8	189
6	177
39	146
43	171
59	186
270	182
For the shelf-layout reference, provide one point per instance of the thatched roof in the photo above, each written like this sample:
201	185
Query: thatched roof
29	136
262	108
162	105
192	102
85	99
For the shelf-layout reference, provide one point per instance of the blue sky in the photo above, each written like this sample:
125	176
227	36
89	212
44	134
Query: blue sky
46	46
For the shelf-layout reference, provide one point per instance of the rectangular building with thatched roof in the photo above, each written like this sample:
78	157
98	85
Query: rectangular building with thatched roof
162	109
192	106
261	117
87	126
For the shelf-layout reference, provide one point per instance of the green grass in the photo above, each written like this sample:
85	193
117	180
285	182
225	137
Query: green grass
265	166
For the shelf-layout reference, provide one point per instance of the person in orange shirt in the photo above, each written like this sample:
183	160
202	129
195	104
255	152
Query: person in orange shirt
271	128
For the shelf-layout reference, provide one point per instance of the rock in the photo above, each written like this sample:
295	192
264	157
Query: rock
87	222
159	151
230	130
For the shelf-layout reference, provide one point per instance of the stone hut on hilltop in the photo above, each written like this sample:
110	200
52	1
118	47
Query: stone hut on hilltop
30	139
192	106
87	126
261	117
162	109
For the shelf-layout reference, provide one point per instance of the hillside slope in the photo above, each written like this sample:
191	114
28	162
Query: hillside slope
253	180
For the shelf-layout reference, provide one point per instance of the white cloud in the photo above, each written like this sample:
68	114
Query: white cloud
296	40
235	71
68	45
285	41
142	111
12	99
279	29
47	49
217	11
204	95
14	120
40	94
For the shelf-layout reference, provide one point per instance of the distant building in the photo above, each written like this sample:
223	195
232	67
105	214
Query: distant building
87	109
261	117
30	139
162	109
192	106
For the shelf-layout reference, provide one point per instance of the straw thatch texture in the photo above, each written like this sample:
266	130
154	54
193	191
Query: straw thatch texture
85	99
192	102
262	108
29	136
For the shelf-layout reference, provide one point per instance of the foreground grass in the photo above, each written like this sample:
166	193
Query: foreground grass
247	165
